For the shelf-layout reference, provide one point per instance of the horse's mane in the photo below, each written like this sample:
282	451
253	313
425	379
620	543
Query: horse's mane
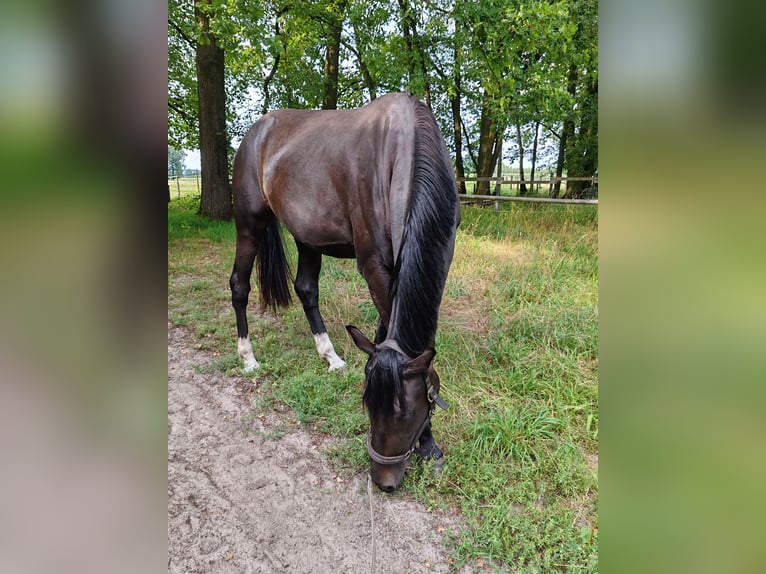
426	252
384	382
420	270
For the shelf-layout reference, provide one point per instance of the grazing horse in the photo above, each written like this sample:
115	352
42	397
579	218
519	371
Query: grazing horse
375	184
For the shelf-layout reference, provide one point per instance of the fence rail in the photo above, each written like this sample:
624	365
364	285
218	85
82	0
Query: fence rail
471	197
591	197
593	179
175	181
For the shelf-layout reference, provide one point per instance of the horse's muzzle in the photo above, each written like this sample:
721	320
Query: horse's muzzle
388	477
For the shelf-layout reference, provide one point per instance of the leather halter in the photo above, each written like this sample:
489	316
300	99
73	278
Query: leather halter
433	400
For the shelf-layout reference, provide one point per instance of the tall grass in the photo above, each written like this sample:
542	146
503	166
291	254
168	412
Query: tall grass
517	352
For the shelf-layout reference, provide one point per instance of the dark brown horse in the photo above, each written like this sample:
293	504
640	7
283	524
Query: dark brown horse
375	183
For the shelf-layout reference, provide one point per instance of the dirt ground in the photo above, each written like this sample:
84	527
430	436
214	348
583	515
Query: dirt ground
266	501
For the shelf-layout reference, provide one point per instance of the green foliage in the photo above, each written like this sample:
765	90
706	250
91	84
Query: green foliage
511	58
517	357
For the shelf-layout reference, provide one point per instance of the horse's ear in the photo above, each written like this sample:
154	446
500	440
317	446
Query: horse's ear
419	364
360	340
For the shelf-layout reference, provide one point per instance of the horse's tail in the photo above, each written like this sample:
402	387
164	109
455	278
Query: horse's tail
273	270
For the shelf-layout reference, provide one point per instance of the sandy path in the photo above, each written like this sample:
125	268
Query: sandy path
250	502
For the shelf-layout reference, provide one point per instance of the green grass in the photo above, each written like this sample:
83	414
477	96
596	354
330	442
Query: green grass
517	352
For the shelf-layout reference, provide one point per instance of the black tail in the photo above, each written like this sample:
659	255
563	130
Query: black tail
273	271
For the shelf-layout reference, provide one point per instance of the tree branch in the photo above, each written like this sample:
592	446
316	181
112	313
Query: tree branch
275	65
438	9
192	43
180	112
437	68
550	129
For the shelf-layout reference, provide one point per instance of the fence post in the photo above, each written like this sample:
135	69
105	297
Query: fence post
197	176
178	186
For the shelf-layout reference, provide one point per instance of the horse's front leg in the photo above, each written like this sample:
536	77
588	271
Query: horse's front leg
307	288
427	445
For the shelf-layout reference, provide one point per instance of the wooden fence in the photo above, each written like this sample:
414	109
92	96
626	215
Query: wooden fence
175	182
590	199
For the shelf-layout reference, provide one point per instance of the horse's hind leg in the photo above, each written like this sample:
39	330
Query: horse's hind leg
307	288
247	247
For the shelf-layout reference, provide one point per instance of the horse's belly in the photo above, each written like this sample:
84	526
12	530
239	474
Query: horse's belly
342	251
321	232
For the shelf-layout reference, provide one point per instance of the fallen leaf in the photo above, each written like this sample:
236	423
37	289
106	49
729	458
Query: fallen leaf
229	557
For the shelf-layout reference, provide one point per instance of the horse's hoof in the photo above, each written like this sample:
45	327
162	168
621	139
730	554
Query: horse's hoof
437	468
337	366
432	452
250	367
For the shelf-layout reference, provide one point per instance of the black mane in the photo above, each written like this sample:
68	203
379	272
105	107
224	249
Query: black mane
428	242
384	382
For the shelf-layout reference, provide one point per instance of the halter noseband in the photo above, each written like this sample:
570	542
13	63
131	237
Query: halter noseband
433	400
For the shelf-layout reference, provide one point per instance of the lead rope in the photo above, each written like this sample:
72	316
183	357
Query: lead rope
372	524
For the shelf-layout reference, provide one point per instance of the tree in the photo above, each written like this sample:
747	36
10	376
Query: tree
510	77
215	199
332	54
578	145
175	162
492	71
183	107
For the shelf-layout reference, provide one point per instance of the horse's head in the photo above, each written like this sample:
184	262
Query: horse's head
400	394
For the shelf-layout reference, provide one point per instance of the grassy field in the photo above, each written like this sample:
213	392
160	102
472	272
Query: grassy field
517	352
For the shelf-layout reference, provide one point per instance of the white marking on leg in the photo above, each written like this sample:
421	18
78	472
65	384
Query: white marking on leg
327	352
245	350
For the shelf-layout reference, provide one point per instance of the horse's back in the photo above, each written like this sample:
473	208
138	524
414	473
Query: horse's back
333	177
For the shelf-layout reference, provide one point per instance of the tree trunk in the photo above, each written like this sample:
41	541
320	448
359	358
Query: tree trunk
567	133
275	65
560	160
414	49
332	56
404	12
522	186
534	154
488	149
590	128
423	70
459	168
366	76
583	148
215	196
499	173
456	124
570	160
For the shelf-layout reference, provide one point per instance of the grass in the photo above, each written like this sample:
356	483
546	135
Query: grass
516	352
